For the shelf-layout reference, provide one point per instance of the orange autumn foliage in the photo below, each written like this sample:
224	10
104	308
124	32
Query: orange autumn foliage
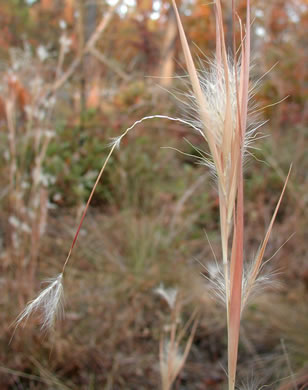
68	12
18	93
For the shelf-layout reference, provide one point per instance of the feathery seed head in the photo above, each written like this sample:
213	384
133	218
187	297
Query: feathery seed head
49	302
219	120
214	88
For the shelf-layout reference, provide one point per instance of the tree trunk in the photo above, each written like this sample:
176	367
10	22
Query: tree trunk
166	70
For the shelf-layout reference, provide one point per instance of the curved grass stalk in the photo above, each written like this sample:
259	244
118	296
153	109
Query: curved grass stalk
49	301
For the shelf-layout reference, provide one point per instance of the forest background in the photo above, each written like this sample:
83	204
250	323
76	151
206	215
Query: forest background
75	74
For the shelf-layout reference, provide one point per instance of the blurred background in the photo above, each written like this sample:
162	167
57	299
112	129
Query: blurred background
74	74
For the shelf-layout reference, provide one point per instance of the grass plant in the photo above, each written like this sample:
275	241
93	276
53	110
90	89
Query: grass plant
221	101
222	114
173	350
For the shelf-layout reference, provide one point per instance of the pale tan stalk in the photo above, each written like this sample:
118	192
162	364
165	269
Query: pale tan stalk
172	354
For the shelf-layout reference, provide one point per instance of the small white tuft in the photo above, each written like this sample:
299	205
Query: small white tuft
49	302
115	142
168	294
